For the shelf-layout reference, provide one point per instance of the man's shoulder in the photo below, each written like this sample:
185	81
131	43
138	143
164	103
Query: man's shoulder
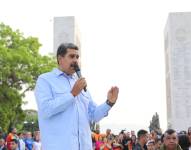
4	148
46	75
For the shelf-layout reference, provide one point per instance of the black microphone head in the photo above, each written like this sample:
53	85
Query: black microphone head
78	72
77	69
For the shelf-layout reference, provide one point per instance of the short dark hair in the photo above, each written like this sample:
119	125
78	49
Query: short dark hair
11	129
141	133
183	141
162	138
169	131
62	49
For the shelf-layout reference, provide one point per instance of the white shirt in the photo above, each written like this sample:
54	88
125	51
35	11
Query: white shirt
36	145
21	144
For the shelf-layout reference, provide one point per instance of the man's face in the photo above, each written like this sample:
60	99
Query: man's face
108	131
13	145
2	142
65	62
97	131
145	138
29	135
154	134
14	131
158	145
132	133
128	134
150	146
171	141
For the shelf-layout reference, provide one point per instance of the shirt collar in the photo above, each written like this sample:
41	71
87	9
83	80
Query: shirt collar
58	72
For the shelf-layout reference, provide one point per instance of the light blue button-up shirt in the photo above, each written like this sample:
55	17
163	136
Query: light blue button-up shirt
64	120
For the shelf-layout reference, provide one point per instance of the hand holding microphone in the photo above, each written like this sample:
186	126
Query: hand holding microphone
80	83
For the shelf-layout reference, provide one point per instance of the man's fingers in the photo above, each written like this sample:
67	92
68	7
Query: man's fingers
114	90
81	83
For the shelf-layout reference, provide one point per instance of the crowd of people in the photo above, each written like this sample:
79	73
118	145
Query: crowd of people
20	140
143	140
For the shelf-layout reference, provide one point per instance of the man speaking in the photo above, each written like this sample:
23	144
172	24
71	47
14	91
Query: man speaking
65	108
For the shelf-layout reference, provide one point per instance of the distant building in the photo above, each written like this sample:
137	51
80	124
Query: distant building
178	70
31	112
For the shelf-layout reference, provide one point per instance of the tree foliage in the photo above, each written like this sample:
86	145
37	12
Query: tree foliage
20	65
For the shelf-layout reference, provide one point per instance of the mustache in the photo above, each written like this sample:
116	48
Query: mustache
75	66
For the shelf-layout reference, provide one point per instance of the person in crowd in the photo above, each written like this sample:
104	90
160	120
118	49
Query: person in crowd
21	141
132	142
116	144
96	135
10	136
28	141
183	141
109	135
98	143
37	142
2	135
154	135
158	143
2	144
126	140
162	138
132	133
170	140
14	144
120	137
142	136
106	145
150	145
65	106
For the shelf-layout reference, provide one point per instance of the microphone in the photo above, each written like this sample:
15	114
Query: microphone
78	72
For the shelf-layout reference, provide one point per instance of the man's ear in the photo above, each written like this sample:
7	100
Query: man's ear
59	58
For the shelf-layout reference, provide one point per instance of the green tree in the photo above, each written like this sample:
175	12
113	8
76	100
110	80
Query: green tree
20	64
155	124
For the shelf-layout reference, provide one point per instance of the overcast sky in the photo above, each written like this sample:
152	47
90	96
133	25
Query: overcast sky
122	44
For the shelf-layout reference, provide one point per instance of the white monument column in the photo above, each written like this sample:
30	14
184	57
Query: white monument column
66	31
178	70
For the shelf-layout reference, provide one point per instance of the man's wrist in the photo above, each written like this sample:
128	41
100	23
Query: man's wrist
109	103
73	94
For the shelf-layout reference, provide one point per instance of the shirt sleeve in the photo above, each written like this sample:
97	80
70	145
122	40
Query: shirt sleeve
96	113
50	105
